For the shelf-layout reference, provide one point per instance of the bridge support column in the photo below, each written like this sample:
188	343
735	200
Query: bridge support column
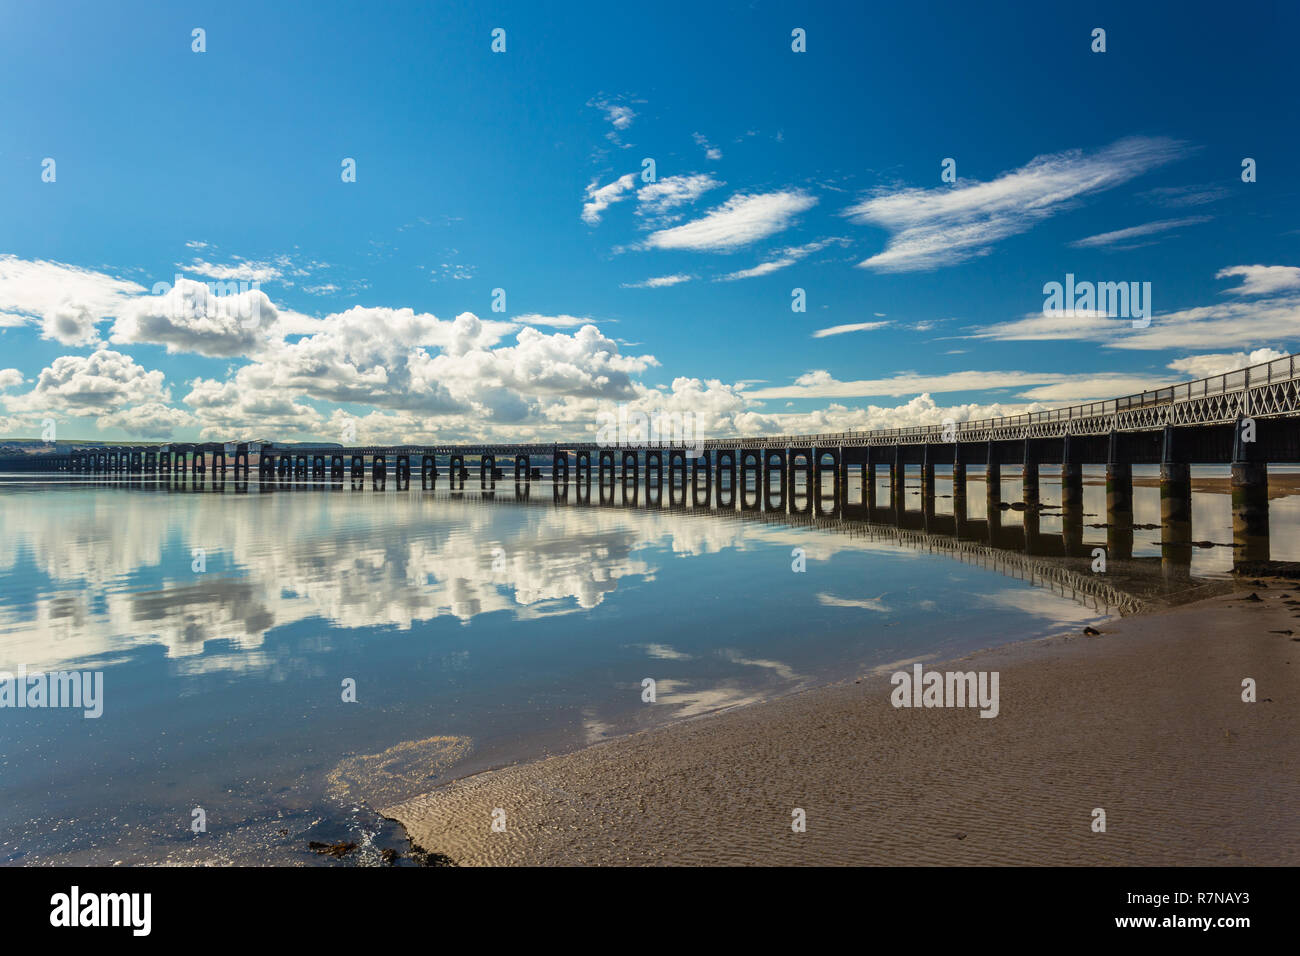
487	472
318	467
676	470
1119	501
428	472
631	477
378	471
993	494
582	475
1071	501
869	479
702	465
928	455
1029	494
742	486
819	508
403	472
654	487
727	455
775	461
456	472
605	476
522	462
792	471
560	469
1249	484
959	508
898	484
1175	510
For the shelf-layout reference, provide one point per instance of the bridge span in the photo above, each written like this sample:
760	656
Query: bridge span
1246	419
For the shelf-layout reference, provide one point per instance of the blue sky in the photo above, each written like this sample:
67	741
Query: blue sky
522	171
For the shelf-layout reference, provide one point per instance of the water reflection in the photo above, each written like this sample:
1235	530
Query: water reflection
480	628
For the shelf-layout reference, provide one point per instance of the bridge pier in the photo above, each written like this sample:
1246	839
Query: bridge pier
748	455
1249	483
818	480
898	485
792	470
605	476
1175	509
928	455
456	472
582	476
317	467
378	472
729	469
631	477
487	472
775	457
522	463
654	487
1071	500
702	464
676	478
960	517
1119	500
336	469
428	472
560	468
993	494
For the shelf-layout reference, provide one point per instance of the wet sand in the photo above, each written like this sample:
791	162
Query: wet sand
1145	721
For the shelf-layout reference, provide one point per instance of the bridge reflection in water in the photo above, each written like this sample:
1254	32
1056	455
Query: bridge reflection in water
788	491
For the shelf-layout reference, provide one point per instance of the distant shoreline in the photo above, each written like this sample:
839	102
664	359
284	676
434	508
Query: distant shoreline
1145	722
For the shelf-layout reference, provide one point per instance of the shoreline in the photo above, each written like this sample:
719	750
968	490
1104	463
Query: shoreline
1144	721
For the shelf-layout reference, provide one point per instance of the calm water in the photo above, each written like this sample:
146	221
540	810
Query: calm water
479	631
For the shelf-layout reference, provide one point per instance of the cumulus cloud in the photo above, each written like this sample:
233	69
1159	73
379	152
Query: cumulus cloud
91	384
1204	366
154	420
741	220
710	151
190	317
932	228
65	301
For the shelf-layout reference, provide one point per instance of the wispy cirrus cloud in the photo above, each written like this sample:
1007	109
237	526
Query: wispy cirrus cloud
600	198
784	258
1040	386
852	327
660	282
1137	232
741	220
933	228
659	198
1270	318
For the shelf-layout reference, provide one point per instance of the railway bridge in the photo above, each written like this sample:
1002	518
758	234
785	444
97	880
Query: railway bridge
1245	419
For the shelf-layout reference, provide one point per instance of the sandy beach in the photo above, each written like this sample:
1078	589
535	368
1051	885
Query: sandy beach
1145	721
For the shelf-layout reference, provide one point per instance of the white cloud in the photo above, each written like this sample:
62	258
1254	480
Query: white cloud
1262	280
1204	366
853	327
932	228
1137	232
1050	386
710	151
784	258
741	220
659	282
93	384
661	197
66	301
154	420
190	318
600	198
245	271
554	321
